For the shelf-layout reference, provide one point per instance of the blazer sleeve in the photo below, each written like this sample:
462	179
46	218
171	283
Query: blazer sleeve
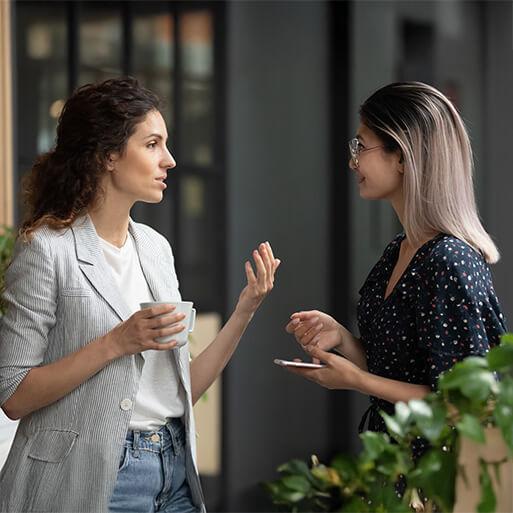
30	297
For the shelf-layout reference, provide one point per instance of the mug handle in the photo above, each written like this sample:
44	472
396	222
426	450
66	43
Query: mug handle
192	322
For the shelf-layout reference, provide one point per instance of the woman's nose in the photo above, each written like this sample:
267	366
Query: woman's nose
169	161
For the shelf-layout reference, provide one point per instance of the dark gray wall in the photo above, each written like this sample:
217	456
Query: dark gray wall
498	162
278	189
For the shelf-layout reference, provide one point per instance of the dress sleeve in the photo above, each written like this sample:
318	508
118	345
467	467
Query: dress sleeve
452	299
30	298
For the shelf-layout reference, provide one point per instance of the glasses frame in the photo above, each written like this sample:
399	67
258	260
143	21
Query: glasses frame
355	151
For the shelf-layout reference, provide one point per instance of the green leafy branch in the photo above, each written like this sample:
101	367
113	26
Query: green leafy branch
7	239
476	393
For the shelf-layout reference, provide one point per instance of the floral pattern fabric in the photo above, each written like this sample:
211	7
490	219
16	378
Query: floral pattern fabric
442	309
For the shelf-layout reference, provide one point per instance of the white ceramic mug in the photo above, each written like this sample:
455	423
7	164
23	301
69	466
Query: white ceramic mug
184	307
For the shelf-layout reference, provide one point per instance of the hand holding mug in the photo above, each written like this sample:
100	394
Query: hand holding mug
139	331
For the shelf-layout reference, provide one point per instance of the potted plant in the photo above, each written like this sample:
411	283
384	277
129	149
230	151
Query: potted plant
7	427
7	238
468	423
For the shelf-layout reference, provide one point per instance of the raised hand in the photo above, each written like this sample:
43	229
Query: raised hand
261	283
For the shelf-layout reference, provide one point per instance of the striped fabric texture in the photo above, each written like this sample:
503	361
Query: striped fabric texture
60	295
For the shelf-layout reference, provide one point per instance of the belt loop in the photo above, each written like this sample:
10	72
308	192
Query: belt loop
136	452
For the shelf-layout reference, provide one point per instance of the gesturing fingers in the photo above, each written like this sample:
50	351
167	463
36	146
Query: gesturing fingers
266	257
260	267
250	274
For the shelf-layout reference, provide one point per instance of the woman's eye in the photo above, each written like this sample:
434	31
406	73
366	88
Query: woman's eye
152	145
361	146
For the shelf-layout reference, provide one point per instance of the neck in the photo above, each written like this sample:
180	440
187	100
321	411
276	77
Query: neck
110	220
398	205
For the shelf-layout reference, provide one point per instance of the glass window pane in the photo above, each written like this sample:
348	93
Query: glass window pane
100	43
197	88
153	54
200	248
43	80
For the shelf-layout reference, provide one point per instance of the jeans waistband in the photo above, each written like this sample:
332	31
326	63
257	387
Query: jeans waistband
171	434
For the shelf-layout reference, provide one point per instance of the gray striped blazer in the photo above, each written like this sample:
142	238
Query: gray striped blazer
60	295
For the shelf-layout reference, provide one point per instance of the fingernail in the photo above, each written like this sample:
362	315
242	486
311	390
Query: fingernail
320	326
295	321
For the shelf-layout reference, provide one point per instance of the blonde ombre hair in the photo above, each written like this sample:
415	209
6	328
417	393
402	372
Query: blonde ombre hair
420	122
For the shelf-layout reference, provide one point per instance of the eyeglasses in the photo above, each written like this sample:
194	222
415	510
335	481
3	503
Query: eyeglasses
356	148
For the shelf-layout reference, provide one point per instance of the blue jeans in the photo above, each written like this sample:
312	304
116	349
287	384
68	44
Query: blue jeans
151	476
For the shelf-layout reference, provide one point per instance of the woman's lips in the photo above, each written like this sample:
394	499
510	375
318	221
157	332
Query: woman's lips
161	182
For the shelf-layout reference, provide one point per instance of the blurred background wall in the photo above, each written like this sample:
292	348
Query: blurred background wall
261	98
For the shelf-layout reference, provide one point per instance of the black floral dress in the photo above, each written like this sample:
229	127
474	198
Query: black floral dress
443	309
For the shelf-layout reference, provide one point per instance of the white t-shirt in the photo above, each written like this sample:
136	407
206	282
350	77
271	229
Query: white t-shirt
160	395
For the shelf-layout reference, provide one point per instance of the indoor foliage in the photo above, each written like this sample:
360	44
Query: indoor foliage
7	238
469	398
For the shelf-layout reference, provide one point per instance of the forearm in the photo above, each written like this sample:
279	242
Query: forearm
45	385
389	389
209	364
352	348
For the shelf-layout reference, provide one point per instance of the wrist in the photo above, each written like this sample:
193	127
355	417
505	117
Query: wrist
108	348
359	380
243	314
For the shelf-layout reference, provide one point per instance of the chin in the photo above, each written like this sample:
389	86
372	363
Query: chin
153	198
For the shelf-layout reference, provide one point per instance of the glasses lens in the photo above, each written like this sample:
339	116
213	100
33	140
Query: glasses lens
353	148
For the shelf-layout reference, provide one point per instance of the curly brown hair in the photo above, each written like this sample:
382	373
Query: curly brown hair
96	121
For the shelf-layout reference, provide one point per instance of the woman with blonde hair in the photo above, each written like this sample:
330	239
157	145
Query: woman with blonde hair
429	301
105	405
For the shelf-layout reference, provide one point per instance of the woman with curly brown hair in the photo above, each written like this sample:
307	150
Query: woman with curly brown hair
106	409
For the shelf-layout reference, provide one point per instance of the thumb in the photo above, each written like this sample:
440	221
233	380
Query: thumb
317	352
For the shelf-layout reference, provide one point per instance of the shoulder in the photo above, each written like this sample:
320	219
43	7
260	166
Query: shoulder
151	235
448	257
44	240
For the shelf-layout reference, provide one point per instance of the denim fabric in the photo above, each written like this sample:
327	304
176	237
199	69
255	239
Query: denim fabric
151	476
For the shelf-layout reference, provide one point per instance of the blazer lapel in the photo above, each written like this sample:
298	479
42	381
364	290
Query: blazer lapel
95	268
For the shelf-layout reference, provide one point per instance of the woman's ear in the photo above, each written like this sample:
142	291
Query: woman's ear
111	160
401	163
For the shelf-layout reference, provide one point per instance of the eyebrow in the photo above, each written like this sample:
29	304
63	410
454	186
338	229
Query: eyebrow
155	136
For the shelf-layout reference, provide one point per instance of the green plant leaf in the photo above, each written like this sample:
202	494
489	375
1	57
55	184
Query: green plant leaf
327	475
429	418
471	378
507	338
357	505
374	444
393	426
294	467
402	413
471	428
488	502
500	357
436	475
297	483
503	415
345	466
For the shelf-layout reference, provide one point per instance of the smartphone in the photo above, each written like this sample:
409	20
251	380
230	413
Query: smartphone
303	365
